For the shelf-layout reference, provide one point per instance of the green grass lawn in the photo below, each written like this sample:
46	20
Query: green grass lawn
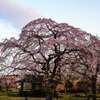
68	96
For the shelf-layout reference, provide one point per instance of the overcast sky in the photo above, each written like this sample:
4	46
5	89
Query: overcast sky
15	14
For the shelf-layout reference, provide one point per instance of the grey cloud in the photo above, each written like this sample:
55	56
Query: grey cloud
16	14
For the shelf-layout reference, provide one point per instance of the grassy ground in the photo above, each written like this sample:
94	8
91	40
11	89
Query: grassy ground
29	98
68	96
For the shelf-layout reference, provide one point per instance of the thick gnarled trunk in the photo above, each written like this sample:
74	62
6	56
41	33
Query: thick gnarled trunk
49	96
49	93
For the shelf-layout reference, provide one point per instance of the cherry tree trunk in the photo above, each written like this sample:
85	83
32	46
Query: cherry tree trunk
49	96
94	89
49	93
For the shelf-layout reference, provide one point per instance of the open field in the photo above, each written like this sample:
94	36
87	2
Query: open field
68	96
